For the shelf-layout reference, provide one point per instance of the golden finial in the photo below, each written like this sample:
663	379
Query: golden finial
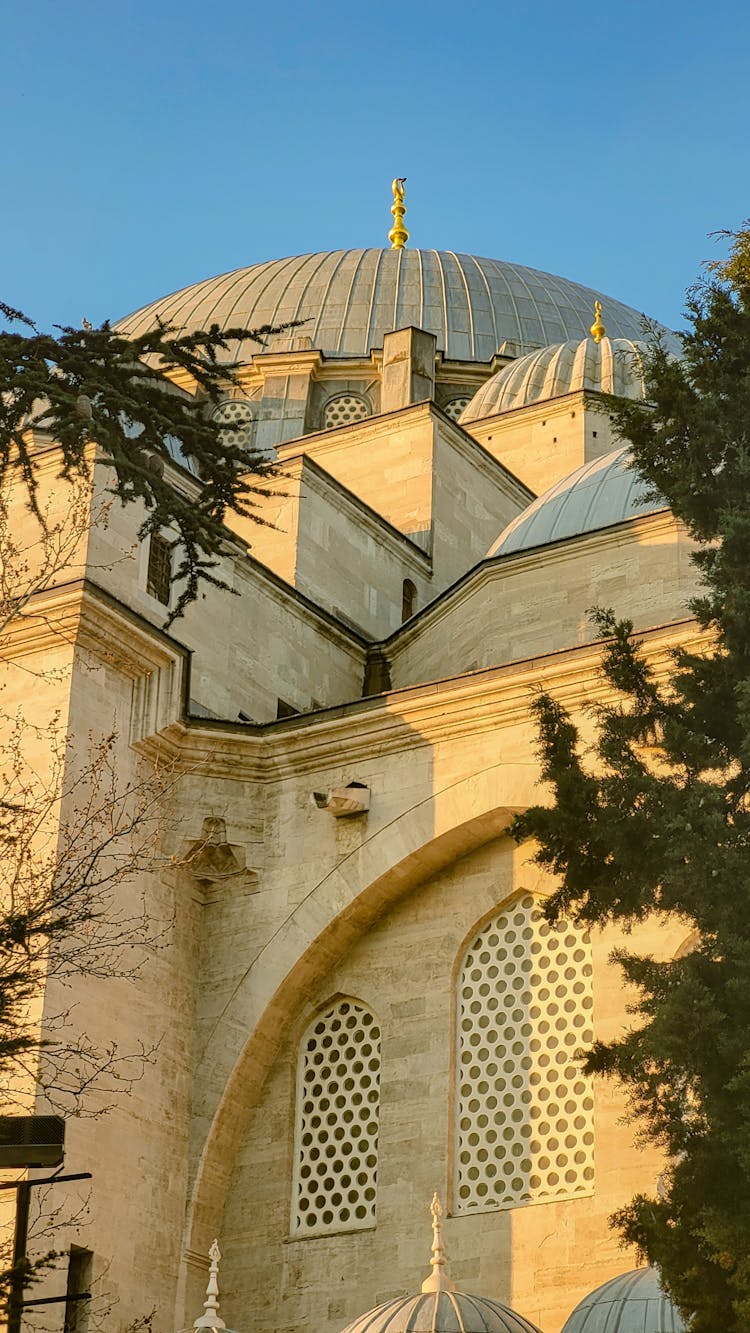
398	235
438	1279
597	329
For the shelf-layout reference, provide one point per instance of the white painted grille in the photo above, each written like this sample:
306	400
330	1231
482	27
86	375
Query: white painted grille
455	407
525	1128
338	1105
343	408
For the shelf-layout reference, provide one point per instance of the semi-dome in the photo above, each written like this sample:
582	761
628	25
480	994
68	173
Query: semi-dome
631	1301
348	300
597	495
612	365
438	1307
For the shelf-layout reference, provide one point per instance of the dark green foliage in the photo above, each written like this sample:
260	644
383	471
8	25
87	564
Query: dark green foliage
654	817
96	385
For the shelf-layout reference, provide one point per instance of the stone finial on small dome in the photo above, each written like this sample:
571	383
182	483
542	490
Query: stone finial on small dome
211	1317
438	1279
597	329
398	235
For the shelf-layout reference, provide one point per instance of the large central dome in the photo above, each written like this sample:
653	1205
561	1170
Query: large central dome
350	298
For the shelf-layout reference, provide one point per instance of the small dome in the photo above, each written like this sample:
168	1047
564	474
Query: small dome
439	1308
597	495
631	1301
610	366
441	1312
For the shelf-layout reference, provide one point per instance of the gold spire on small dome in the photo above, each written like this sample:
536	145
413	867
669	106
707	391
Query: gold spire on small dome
398	235
438	1279
597	329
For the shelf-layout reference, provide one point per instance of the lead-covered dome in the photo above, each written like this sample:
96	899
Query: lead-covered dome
613	365
597	495
350	298
441	1312
632	1301
439	1308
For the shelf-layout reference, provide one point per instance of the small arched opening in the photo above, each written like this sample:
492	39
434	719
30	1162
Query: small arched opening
408	600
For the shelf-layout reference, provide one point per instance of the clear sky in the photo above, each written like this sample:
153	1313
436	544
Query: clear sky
150	143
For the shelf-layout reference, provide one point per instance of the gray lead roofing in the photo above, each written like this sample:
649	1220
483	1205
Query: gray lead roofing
442	1312
350	298
631	1303
603	492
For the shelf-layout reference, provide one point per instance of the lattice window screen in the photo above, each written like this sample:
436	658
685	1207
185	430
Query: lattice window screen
336	1132
525	1128
455	407
239	416
343	408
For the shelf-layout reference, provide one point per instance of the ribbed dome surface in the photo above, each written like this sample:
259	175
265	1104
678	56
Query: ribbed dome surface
600	493
631	1303
441	1312
610	366
350	298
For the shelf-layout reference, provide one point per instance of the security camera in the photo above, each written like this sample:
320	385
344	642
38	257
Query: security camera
354	799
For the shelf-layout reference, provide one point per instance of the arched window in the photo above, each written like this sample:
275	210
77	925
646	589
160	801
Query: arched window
337	1121
524	1110
343	408
239	418
455	407
408	600
159	570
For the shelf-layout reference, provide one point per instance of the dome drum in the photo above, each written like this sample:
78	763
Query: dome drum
344	304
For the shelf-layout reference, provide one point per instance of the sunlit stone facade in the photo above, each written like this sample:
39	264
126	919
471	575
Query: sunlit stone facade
358	1002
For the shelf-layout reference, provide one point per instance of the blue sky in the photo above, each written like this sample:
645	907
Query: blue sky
152	143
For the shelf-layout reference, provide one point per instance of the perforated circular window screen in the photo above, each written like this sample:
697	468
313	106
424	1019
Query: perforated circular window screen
239	417
337	1121
525	1112
455	407
343	408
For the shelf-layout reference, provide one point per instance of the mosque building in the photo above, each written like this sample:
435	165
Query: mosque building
360	1001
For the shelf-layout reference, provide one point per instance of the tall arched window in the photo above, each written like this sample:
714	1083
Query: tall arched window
524	1110
337	1121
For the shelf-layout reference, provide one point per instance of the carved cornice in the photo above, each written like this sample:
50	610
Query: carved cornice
470	705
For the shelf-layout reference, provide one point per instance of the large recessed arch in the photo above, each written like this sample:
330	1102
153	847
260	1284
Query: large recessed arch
337	911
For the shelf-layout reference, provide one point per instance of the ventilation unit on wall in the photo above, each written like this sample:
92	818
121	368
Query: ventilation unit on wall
31	1140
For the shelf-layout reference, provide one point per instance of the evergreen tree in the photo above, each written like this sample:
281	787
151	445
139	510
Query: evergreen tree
87	386
654	817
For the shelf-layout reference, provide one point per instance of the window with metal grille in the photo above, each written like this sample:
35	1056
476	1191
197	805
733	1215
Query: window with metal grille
455	407
159	576
337	1121
524	1110
343	408
238	421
